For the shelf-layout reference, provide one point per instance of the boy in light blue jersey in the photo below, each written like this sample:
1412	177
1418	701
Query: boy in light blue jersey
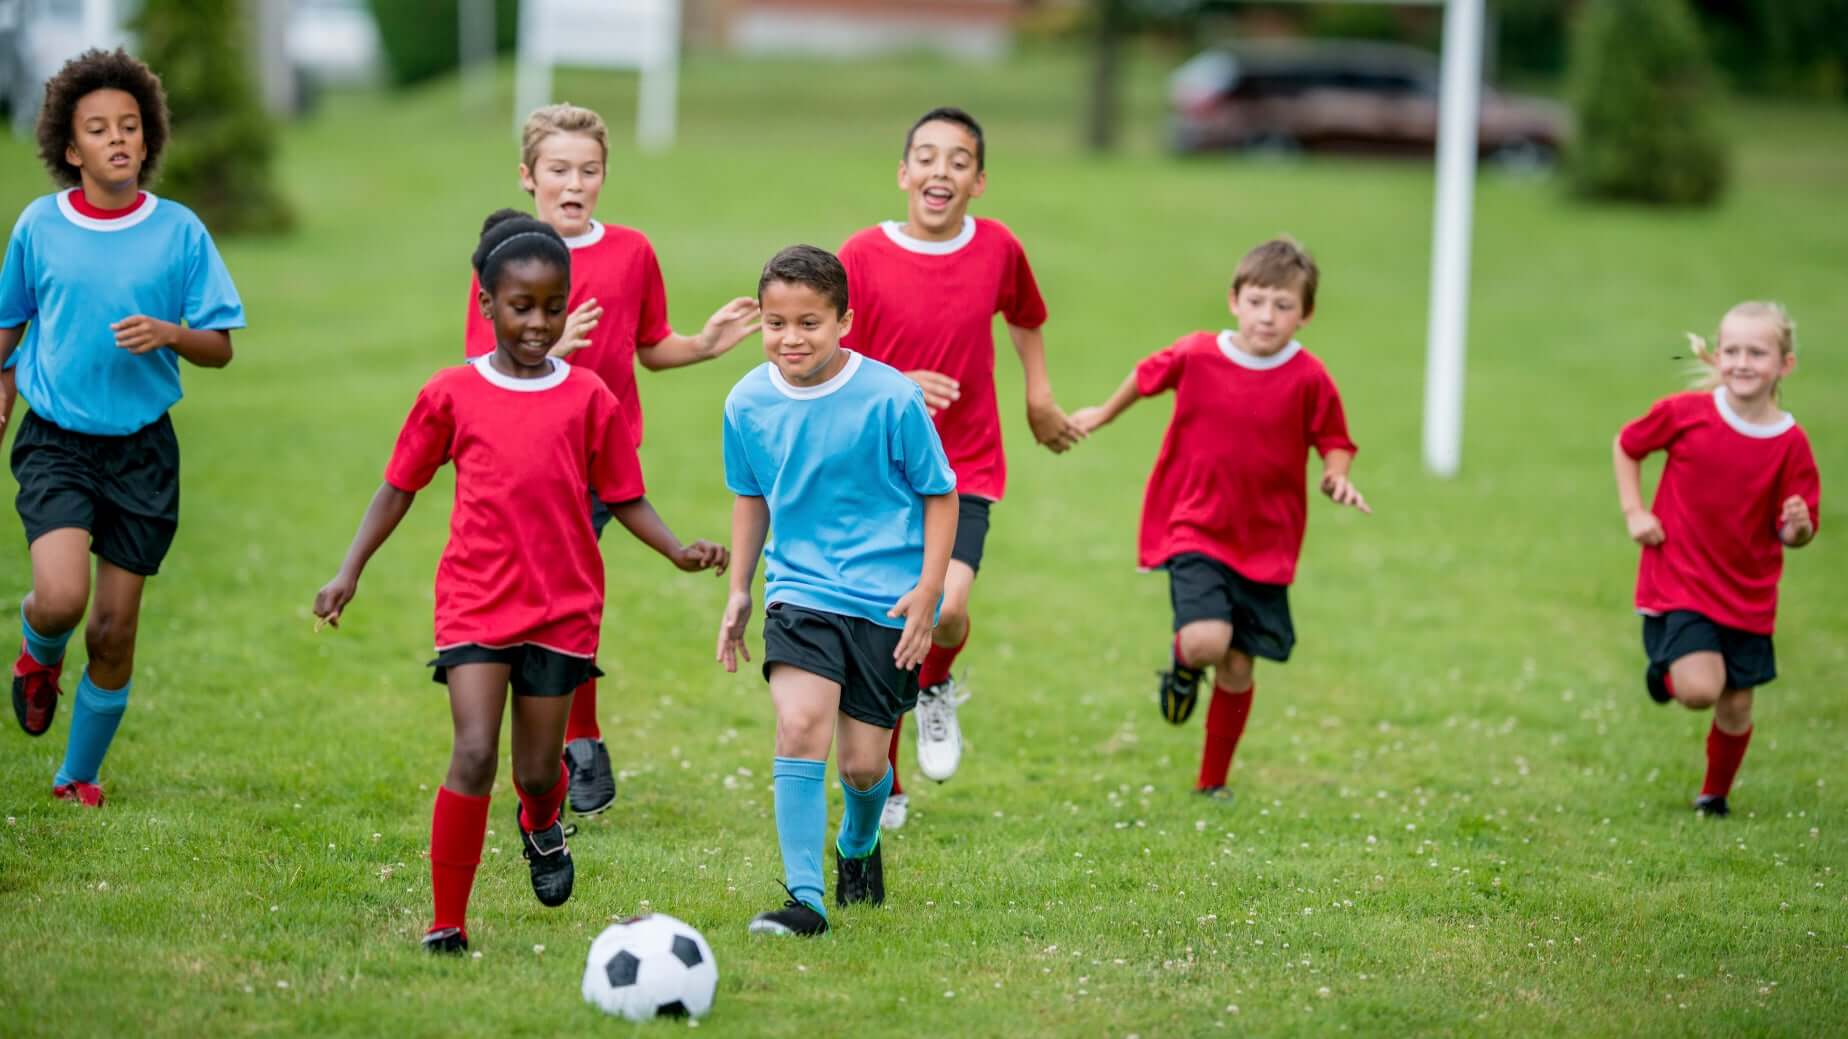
834	457
104	289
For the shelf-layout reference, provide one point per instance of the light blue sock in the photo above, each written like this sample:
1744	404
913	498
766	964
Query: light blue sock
802	825
93	726
45	650
860	821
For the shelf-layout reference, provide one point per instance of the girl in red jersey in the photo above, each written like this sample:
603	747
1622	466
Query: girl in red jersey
1739	486
519	591
618	316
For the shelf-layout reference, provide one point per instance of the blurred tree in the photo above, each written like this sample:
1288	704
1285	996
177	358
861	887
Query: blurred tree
218	158
1642	86
423	38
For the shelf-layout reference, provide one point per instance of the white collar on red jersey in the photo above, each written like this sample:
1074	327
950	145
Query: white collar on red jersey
587	239
144	208
1253	361
485	365
896	232
1756	430
794	392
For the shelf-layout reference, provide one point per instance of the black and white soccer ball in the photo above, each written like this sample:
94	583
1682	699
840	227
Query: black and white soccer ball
651	966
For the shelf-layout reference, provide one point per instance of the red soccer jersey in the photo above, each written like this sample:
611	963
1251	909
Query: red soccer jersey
1229	480
521	565
932	306
1720	502
616	267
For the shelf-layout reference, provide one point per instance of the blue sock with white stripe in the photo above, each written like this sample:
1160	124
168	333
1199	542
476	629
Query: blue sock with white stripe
93	727
802	825
860	822
47	650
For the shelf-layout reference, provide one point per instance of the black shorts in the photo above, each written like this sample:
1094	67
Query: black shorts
1750	660
1204	589
535	670
124	490
852	651
971	530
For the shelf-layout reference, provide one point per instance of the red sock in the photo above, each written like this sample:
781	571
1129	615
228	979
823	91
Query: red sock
892	755
1668	683
458	825
582	725
936	667
543	807
1225	723
1725	750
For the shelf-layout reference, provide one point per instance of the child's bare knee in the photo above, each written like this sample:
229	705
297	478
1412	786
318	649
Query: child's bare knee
864	770
1204	643
1233	672
472	764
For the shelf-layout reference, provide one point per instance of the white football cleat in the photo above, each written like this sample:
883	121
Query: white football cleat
939	737
897	810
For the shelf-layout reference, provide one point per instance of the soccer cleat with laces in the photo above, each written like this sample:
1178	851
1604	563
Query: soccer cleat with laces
1179	693
858	880
796	917
448	941
35	692
548	859
939	737
897	810
88	795
593	782
1713	806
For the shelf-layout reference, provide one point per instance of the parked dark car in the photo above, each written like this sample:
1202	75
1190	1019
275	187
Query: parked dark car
1343	96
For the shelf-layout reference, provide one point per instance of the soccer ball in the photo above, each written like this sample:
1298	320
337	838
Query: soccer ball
648	966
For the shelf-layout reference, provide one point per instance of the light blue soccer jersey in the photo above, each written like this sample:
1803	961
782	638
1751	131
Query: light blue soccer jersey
843	467
71	276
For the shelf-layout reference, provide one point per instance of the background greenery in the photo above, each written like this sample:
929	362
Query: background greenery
1457	812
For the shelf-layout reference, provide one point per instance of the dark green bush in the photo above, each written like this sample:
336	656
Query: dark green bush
219	154
1642	86
422	38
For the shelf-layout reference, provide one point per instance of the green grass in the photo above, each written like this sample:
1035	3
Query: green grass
1457	812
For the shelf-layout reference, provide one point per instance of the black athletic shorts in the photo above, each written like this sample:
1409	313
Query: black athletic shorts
971	530
1204	589
852	651
1750	660
536	671
124	490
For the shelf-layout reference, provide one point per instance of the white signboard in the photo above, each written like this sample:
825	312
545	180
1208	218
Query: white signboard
615	34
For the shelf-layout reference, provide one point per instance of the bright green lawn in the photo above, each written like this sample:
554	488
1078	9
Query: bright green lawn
1458	813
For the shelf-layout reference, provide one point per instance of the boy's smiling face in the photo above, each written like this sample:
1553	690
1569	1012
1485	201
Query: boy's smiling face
940	177
565	179
802	332
106	143
1268	317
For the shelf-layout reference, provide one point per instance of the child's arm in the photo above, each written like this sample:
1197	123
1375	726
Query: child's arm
727	327
9	338
1645	529
641	520
1335	482
1094	418
207	348
750	525
919	605
1050	425
382	517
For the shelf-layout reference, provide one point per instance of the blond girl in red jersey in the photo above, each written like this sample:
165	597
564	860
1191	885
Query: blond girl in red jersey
1739	486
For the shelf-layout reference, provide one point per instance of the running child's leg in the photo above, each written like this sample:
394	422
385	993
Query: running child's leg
1198	644
459	823
939	735
593	778
1727	741
866	781
541	781
806	706
952	631
48	615
1697	679
103	692
1225	718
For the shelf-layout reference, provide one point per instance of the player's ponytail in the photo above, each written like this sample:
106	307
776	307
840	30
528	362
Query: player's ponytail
1707	371
508	235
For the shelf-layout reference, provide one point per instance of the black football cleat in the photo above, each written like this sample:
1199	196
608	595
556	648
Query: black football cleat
796	917
548	859
593	781
1179	693
1713	806
446	941
1655	679
859	880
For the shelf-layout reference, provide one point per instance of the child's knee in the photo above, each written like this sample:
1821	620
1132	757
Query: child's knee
952	622
1699	679
1233	672
1204	643
536	777
800	731
864	769
472	763
57	606
1733	711
110	639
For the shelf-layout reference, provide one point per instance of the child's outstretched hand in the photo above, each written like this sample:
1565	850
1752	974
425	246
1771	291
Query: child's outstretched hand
1051	427
919	608
1794	527
731	631
578	326
333	598
730	325
1645	529
1342	491
702	555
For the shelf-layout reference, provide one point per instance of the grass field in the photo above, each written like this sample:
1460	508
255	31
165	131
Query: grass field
1457	811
